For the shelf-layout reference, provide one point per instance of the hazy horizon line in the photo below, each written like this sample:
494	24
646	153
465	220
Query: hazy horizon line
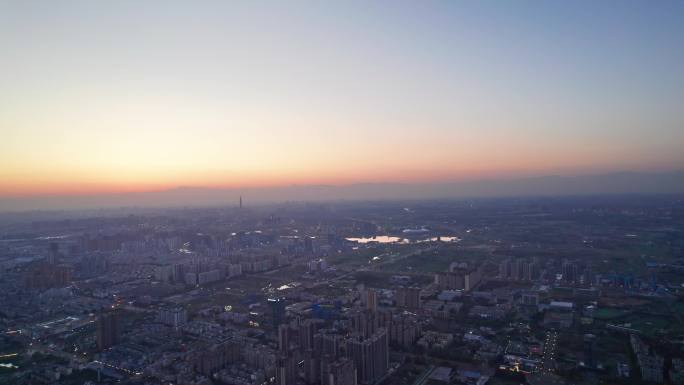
616	183
446	181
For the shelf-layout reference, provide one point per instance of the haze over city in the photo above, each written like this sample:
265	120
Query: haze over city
301	192
101	99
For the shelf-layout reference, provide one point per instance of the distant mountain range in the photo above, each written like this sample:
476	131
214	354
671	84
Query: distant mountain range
613	183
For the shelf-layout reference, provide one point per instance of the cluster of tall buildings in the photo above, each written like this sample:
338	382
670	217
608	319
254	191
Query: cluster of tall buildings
370	355
45	275
197	273
519	269
369	299
342	354
402	328
651	364
49	273
576	273
357	354
407	297
459	277
317	265
174	316
216	357
570	272
170	273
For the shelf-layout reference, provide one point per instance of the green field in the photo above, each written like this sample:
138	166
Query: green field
609	313
649	325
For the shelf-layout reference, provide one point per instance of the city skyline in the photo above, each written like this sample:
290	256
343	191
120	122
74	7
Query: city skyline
129	97
341	192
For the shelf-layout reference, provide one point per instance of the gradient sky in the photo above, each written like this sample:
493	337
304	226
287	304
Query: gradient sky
140	95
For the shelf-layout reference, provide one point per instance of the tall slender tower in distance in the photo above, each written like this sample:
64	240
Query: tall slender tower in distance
240	201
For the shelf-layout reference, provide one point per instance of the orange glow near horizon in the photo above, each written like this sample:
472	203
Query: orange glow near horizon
202	151
81	183
120	97
92	186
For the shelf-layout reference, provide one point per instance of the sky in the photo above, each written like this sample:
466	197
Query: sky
108	97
